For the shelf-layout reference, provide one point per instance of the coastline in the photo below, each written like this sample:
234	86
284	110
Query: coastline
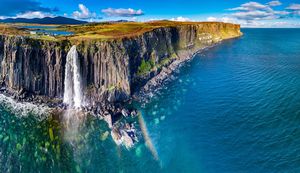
144	93
167	73
114	73
114	114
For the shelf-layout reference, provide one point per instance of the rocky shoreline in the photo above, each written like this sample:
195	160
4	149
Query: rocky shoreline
123	132
166	75
116	115
112	72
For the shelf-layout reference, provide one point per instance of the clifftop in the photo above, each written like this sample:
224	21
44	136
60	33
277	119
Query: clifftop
109	30
124	30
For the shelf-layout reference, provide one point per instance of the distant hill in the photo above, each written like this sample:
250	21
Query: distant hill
46	20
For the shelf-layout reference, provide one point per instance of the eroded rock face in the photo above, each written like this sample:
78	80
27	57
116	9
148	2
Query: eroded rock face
32	65
111	70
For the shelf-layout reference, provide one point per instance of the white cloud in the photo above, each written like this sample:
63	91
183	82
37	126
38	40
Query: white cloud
154	19
250	6
181	19
254	15
282	13
222	19
122	12
253	11
133	19
274	3
84	13
212	19
33	14
281	23
293	7
228	20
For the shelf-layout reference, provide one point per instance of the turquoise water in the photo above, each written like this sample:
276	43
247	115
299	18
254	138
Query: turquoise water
234	108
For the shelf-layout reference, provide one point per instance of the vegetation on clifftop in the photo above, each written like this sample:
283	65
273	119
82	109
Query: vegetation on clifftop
102	31
10	30
145	67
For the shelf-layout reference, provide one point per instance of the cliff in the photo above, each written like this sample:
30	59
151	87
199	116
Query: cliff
112	69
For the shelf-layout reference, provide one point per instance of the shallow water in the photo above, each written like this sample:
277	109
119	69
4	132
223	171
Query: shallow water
234	108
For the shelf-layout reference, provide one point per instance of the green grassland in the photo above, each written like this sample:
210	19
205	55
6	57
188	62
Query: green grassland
98	31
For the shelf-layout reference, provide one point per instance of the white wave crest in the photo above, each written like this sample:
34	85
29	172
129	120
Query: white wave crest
23	109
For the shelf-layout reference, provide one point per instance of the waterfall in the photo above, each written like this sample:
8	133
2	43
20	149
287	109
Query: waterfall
73	88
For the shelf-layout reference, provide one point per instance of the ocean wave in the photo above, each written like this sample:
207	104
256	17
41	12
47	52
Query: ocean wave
24	109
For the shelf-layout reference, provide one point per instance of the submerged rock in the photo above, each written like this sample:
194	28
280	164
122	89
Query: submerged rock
104	136
112	71
138	151
107	117
116	136
126	139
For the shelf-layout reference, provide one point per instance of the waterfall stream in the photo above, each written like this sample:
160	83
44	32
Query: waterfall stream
73	88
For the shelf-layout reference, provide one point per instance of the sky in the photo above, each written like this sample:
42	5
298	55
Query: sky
259	13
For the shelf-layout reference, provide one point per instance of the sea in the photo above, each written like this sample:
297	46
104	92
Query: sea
234	108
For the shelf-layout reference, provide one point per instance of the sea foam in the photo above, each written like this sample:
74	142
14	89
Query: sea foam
24	109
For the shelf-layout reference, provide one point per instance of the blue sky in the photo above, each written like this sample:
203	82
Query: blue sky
260	13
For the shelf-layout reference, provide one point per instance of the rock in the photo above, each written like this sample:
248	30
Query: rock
110	69
138	151
133	113
127	140
107	117
116	136
2	89
125	112
104	136
156	121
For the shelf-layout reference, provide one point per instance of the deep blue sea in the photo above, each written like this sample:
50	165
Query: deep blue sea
234	108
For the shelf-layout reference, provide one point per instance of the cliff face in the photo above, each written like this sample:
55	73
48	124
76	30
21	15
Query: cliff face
111	70
36	66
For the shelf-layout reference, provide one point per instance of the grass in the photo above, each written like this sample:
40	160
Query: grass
102	31
145	67
107	30
10	30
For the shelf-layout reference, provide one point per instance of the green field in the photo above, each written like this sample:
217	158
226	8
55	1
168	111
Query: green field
99	31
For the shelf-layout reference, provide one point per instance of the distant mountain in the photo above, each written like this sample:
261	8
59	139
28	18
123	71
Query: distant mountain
46	20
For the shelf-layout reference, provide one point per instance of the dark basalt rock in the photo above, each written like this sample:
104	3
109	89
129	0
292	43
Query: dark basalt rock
109	69
33	70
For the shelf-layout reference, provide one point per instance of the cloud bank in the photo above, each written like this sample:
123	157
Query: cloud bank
274	3
122	12
181	19
33	14
253	11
